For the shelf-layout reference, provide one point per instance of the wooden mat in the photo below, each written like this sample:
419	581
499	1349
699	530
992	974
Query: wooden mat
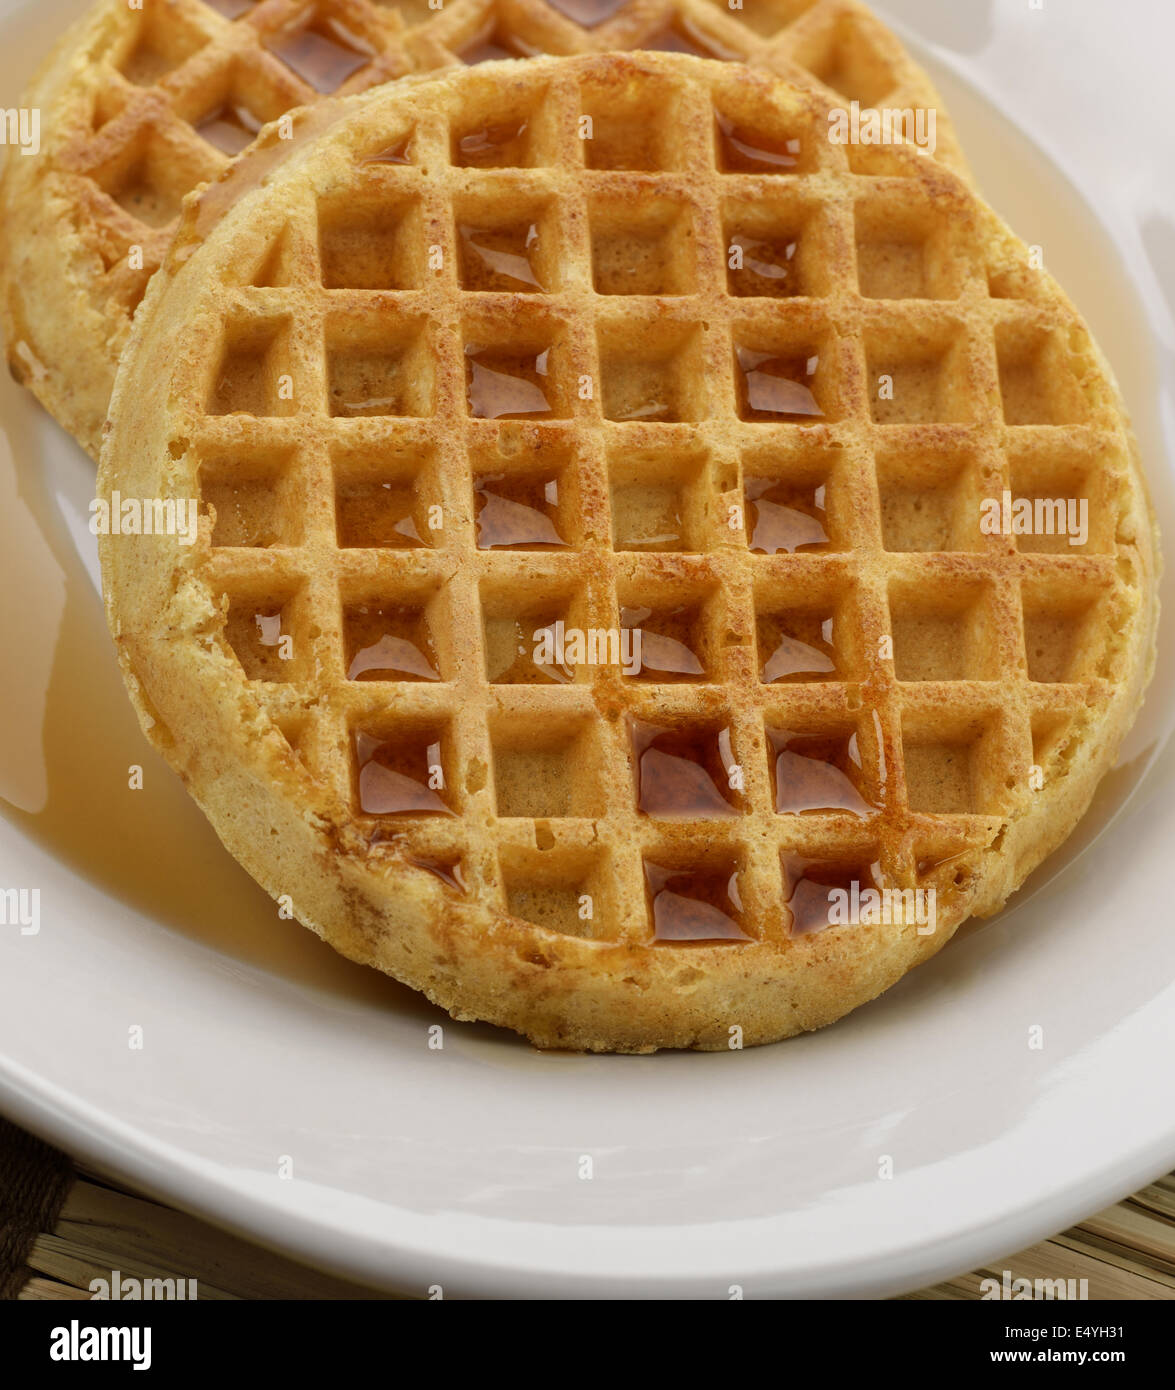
1126	1252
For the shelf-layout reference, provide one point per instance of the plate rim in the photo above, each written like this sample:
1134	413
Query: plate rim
192	1184
307	1240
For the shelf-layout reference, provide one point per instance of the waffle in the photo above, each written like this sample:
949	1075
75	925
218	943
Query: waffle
454	386
142	105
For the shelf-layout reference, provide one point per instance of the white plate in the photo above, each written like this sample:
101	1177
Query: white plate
462	1167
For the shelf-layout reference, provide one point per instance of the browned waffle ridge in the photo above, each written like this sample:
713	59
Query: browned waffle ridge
956	661
142	105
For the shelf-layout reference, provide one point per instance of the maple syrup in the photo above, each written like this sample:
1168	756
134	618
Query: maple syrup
771	387
684	36
927	865
512	650
396	153
246	173
784	518
506	385
388	644
69	794
70	740
449	869
589	13
499	259
378	515
741	151
819	774
269	628
810	885
354	395
501	146
230	128
640	405
694	904
518	513
493	44
666	654
255	633
323	54
765	269
395	773
796	648
683	774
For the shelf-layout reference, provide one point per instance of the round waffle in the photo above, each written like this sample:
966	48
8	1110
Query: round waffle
140	105
493	373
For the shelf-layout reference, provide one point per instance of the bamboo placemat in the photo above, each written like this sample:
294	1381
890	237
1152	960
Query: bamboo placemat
68	1235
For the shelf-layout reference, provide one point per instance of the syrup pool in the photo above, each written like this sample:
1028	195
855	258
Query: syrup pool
70	740
230	128
324	54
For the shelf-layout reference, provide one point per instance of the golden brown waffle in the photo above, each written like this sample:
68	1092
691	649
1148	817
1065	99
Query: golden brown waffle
840	44
140	106
453	375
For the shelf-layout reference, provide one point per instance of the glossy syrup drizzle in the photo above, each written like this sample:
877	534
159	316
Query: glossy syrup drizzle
395	153
683	774
771	387
684	36
798	647
513	649
763	268
518	513
450	871
378	515
500	146
394	776
666	653
502	384
930	864
810	884
255	633
741	151
269	627
230	127
785	518
589	13
357	398
695	904
448	868
386	643
648	404
324	53
500	259
246	173
494	43
818	773
85	800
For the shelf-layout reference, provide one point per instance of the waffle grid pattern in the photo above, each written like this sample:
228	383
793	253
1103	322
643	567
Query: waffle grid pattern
168	87
838	42
990	671
163	75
